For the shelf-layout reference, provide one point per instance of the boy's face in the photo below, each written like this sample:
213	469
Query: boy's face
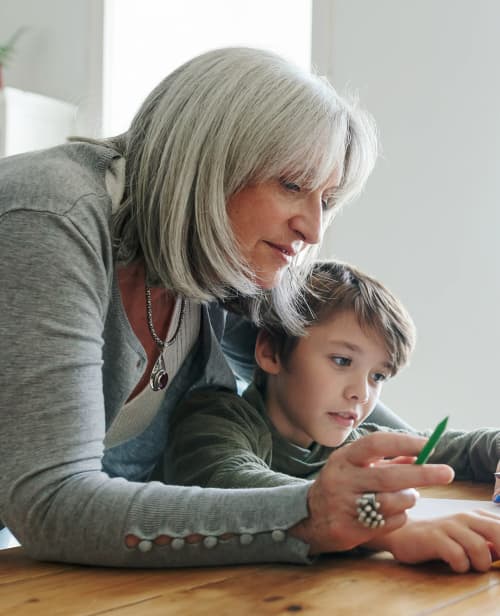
330	384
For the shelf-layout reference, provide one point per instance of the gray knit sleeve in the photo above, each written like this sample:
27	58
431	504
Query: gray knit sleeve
55	270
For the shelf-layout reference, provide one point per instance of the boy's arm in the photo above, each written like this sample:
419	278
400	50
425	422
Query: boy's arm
465	541
217	439
474	454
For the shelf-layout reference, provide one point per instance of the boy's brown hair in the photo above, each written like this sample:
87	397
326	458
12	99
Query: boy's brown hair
333	287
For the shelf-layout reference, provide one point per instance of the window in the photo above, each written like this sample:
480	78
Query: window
144	41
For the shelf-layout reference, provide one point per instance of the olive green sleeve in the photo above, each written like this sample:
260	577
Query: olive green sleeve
217	439
473	454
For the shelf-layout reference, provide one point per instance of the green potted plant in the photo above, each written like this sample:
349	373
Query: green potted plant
7	52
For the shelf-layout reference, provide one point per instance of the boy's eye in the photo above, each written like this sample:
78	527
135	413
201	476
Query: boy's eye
379	377
341	361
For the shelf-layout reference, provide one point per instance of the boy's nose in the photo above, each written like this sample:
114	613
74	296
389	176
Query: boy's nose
358	392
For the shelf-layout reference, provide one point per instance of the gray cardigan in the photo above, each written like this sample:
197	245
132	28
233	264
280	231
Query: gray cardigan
69	361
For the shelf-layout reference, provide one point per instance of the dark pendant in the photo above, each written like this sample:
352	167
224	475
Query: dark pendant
159	376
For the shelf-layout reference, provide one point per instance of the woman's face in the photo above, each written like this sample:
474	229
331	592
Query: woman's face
274	220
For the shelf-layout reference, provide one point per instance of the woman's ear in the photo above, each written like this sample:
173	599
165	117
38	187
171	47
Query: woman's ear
265	353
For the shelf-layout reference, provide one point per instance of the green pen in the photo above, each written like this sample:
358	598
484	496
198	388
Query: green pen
429	447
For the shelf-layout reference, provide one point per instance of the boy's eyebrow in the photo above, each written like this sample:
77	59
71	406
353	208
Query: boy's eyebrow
356	349
348	345
352	347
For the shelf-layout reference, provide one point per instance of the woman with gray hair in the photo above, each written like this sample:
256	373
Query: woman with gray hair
132	270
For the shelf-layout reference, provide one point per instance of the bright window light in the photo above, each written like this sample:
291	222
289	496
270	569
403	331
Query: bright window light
146	40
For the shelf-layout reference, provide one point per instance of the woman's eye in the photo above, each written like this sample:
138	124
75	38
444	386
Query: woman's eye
341	361
379	377
290	185
328	203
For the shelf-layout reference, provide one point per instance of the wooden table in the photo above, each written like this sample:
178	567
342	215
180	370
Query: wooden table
363	586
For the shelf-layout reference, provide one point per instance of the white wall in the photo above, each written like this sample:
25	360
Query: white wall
428	223
59	54
429	220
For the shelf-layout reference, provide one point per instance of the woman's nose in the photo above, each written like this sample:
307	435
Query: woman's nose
309	222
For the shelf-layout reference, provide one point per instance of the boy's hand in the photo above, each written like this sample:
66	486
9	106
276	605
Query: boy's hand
464	540
496	491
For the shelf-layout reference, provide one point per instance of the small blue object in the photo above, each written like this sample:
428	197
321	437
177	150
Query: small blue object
497	498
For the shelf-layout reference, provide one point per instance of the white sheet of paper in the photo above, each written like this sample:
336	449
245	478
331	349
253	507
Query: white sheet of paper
436	507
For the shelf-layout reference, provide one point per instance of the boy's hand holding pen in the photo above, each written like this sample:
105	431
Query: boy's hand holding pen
426	452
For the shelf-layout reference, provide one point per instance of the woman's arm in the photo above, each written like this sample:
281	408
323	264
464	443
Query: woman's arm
54	495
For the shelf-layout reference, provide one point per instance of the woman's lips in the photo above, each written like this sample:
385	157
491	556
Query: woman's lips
286	253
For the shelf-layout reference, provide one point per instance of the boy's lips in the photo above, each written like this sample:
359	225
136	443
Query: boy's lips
345	418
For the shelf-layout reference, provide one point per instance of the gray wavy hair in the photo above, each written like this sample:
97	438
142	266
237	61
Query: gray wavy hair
221	121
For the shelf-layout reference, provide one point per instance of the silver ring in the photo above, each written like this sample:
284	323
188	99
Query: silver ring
368	511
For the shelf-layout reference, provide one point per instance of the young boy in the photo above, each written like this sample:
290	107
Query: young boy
310	395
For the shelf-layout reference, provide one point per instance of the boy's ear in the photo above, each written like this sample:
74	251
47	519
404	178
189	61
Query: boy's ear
265	353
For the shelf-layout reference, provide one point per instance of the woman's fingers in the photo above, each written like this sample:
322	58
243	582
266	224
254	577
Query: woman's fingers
392	522
397	460
373	476
379	445
394	503
355	470
334	520
396	477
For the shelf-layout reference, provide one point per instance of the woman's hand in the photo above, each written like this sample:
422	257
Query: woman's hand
496	491
464	540
355	469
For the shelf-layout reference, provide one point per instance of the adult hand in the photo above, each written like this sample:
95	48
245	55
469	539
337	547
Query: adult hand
496	490
465	541
355	469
